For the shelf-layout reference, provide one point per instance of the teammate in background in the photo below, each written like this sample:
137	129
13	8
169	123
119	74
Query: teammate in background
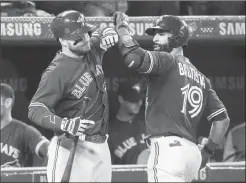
74	75
234	149
178	95
19	141
127	129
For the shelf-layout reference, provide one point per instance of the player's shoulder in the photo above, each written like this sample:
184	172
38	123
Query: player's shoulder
237	128
62	66
20	125
54	65
17	122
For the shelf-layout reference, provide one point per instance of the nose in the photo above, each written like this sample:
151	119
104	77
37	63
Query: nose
155	39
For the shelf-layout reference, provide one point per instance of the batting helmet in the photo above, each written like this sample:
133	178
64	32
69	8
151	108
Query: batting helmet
70	25
173	25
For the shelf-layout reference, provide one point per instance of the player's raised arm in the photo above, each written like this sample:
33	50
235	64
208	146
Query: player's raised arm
216	113
150	62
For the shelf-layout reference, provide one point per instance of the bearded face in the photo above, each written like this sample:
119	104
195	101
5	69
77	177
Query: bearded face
160	42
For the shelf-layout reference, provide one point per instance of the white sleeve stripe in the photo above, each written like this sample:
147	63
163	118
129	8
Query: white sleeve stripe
39	145
216	113
151	63
38	104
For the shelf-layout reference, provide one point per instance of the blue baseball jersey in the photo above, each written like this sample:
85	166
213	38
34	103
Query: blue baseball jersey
178	97
19	142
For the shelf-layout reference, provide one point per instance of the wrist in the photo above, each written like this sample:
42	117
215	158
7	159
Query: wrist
123	28
64	124
209	148
52	122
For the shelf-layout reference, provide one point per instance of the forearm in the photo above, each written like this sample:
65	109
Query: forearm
45	118
218	130
135	57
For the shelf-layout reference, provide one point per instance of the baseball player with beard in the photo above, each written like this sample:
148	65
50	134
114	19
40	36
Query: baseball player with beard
178	96
73	75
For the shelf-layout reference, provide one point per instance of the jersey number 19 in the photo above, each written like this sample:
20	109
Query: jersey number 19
194	96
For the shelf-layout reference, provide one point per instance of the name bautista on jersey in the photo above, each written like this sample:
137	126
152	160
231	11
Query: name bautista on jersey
185	70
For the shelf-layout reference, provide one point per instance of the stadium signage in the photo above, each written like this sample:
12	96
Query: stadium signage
21	29
232	28
137	28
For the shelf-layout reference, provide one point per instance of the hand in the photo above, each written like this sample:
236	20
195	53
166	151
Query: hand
207	148
120	20
202	142
109	38
205	158
76	126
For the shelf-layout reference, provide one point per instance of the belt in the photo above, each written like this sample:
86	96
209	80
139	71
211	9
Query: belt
98	138
148	141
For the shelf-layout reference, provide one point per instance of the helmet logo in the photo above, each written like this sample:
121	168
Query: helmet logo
158	20
67	31
137	87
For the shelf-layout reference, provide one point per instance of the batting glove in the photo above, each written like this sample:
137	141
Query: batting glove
120	20
109	38
76	126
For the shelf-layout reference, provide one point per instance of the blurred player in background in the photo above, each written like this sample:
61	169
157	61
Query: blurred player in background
73	75
234	149
19	141
127	129
178	96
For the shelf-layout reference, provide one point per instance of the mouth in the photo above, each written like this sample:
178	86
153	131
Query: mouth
156	47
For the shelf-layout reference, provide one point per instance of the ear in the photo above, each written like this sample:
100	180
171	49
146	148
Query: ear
8	102
120	99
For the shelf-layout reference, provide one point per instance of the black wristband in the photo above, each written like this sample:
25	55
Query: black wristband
210	147
207	150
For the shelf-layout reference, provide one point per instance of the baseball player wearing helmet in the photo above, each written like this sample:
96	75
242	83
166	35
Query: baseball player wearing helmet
178	96
73	75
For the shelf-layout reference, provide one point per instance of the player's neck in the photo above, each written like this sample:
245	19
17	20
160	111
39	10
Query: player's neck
124	117
6	120
177	51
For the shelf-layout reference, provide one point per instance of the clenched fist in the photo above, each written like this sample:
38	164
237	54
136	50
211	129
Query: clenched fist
120	20
76	126
109	38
